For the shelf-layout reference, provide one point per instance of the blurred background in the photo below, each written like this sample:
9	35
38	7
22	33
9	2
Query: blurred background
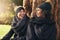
7	12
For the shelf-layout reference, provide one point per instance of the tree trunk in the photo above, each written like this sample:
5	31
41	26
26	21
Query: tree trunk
27	6
59	17
34	5
55	14
40	1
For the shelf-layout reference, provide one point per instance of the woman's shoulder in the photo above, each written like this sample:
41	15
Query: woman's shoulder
14	19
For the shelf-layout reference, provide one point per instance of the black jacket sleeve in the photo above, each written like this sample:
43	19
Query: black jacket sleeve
8	35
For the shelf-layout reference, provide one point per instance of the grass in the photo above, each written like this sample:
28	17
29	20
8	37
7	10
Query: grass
4	29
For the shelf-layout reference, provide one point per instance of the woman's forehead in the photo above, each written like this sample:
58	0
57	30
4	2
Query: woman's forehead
38	9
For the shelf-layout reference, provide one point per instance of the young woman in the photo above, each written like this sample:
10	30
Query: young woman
42	26
19	25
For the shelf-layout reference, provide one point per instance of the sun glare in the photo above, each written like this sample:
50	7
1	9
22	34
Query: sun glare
4	5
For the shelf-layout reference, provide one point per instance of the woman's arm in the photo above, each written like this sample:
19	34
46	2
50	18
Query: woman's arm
8	35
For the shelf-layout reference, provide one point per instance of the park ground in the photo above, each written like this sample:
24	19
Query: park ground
3	30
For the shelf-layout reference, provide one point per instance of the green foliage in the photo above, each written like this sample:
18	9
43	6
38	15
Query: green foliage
6	18
6	12
17	2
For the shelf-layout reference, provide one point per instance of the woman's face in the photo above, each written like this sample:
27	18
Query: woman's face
39	12
21	14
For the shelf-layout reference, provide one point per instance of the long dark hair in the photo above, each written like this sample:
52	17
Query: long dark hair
48	14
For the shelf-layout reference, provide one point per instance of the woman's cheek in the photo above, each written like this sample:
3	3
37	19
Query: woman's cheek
18	15
39	14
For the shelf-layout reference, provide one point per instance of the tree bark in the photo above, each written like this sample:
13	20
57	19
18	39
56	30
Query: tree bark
40	1
55	15
27	6
34	5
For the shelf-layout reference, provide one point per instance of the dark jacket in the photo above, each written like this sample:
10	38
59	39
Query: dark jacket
19	28
41	29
